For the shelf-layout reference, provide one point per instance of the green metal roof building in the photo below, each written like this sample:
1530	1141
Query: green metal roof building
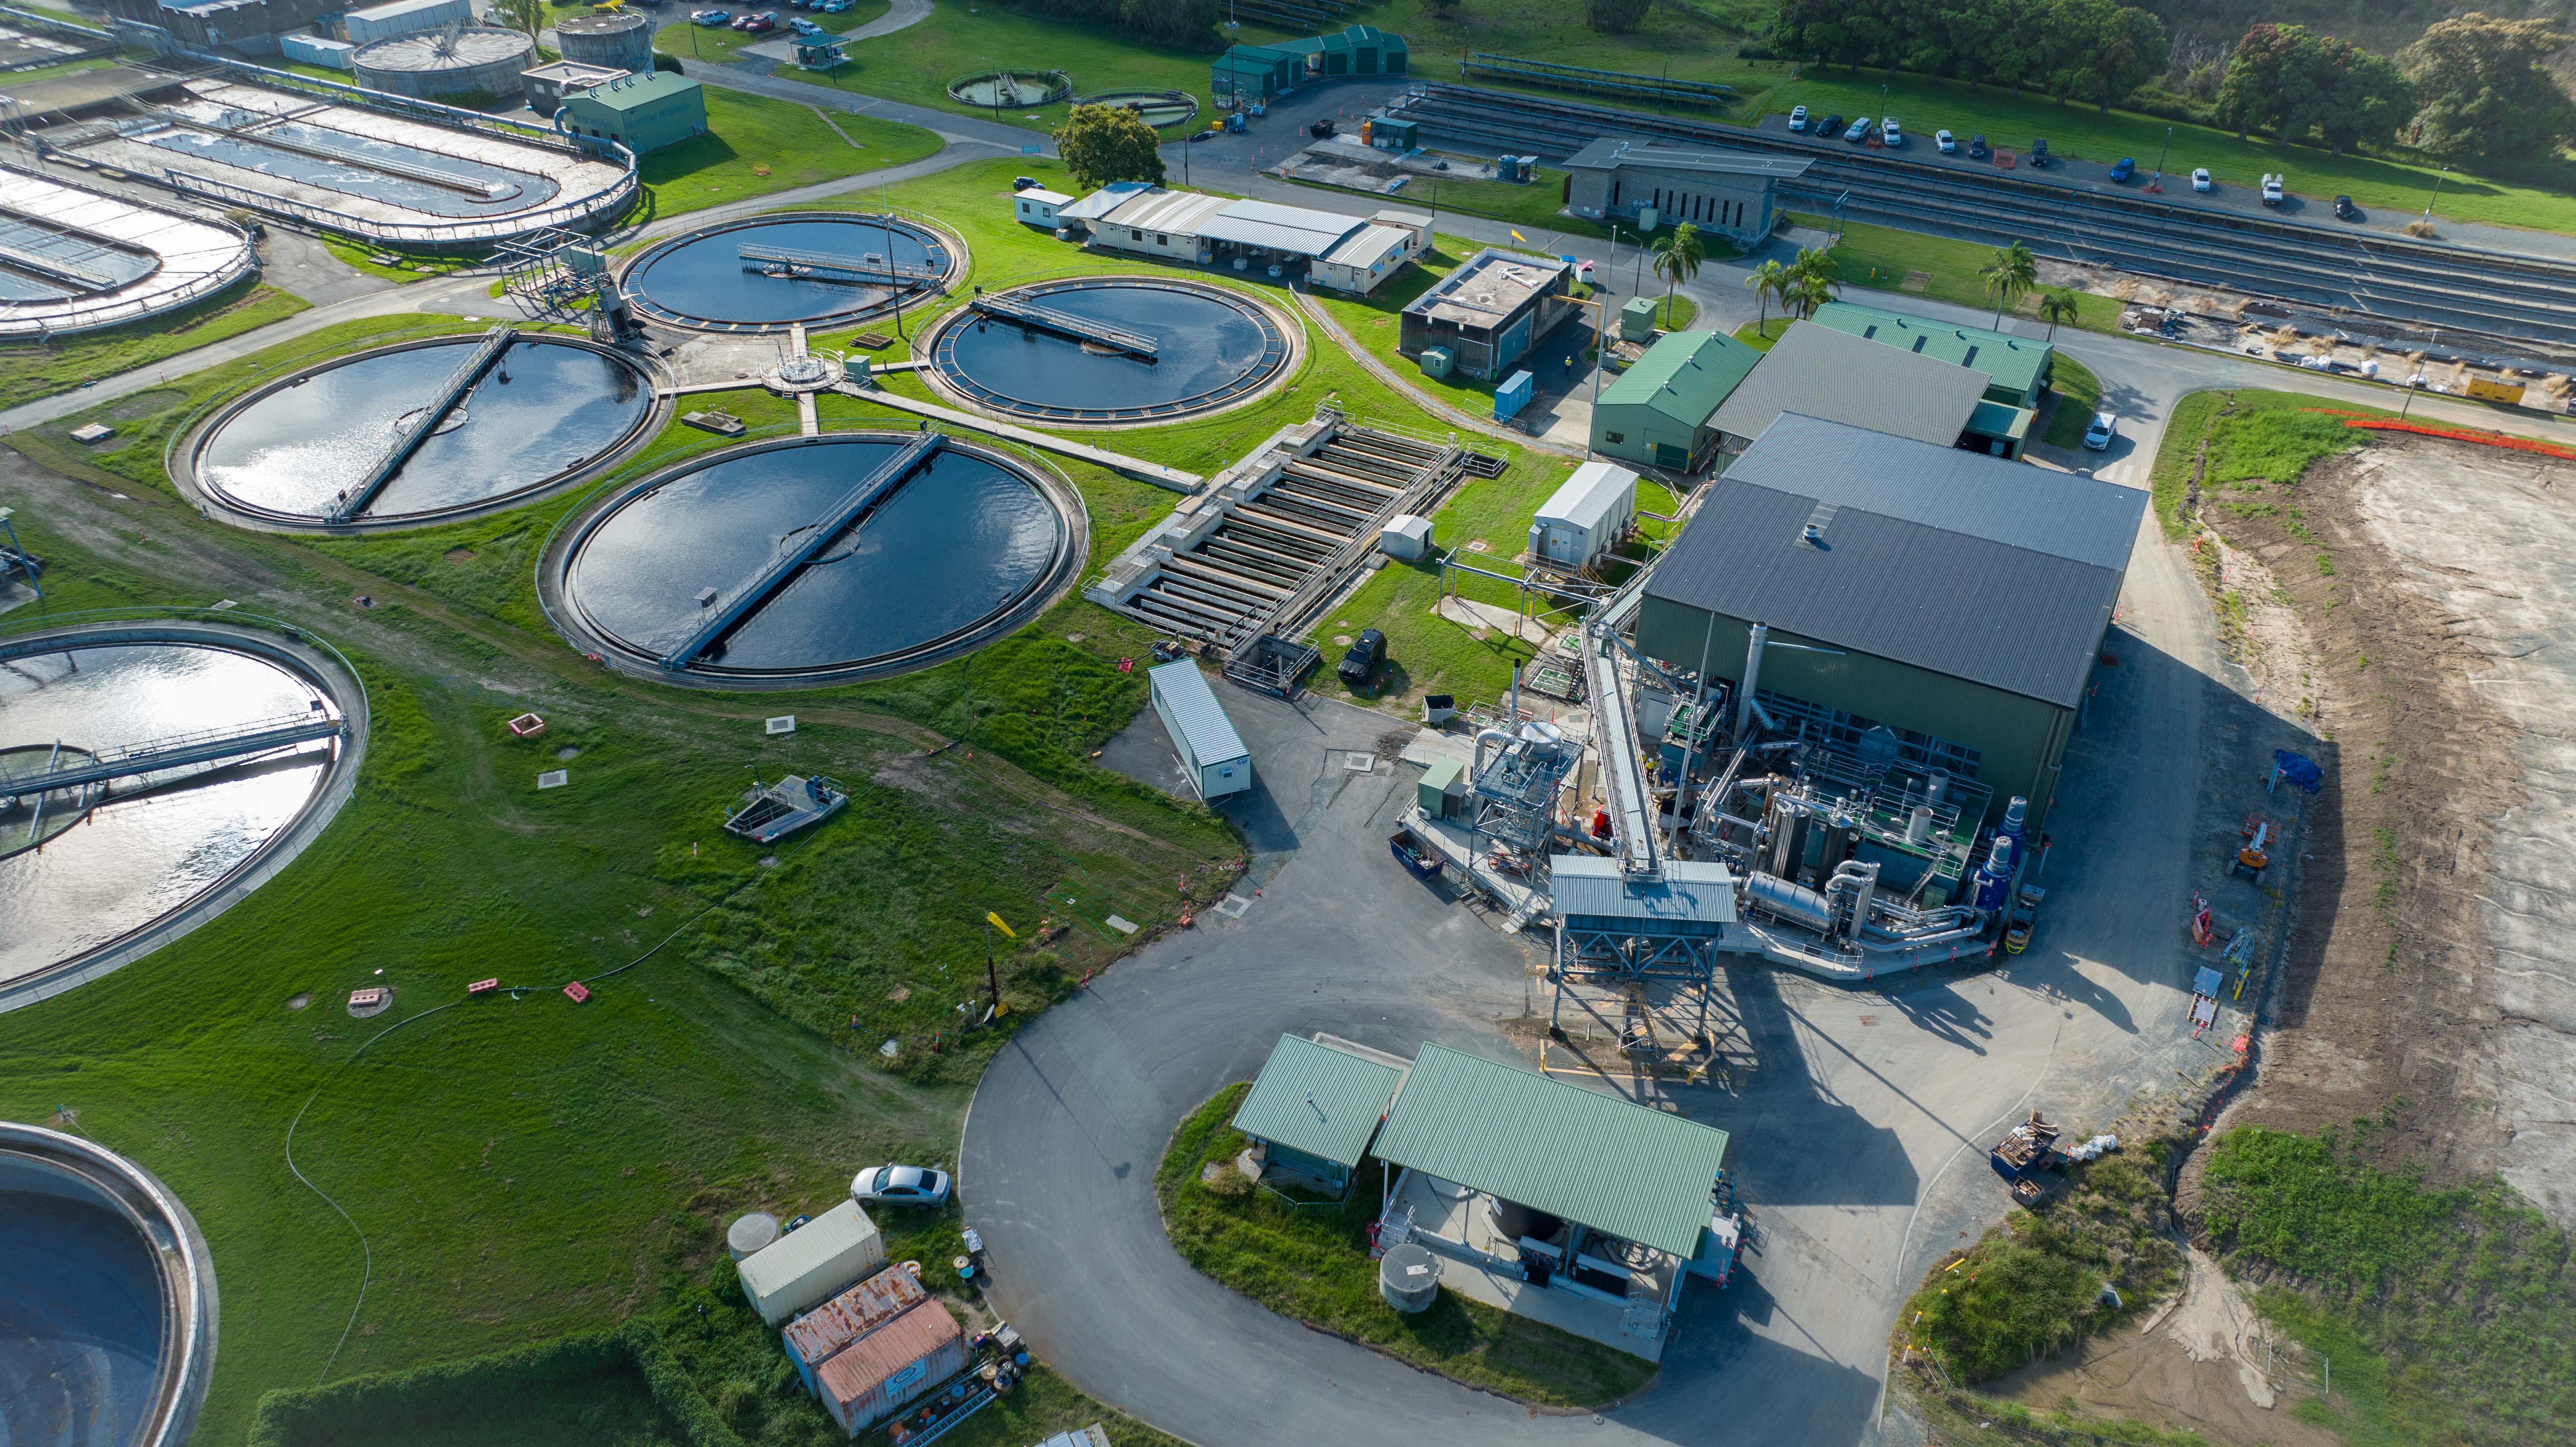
641	112
1316	1107
1265	72
1658	413
1588	1158
2017	368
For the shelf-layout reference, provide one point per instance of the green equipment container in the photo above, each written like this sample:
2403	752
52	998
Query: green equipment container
1637	319
1438	361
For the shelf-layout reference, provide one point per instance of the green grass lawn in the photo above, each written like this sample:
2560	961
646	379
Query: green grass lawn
407	266
755	145
2249	438
32	370
715	43
2079	392
1311	1263
1882	258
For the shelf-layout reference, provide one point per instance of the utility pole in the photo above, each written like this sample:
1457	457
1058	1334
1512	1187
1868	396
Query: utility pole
992	972
2161	152
2437	193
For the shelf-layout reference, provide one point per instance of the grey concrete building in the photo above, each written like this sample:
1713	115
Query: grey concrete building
1957	599
1734	194
1489	312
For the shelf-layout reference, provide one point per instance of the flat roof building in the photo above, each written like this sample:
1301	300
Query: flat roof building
1661	412
1840	376
549	83
1491	311
1733	194
1958	599
1038	206
1212	753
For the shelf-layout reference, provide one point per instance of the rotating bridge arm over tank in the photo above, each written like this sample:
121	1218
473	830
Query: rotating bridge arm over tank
177	751
407	442
832	266
1081	329
838	519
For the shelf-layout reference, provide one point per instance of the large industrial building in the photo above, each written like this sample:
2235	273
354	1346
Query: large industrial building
1734	194
1858	579
1661	411
1842	376
1251	73
2018	369
1344	253
1488	313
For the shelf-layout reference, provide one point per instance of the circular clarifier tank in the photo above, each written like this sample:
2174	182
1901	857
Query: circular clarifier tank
816	559
95	873
1105	351
107	1303
544	411
811	268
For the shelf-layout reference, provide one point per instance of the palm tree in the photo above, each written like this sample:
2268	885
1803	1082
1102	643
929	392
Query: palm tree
1678	254
2012	272
2057	306
1809	282
1764	283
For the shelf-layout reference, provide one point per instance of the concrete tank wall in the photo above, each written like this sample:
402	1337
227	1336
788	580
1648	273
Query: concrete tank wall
624	41
485	62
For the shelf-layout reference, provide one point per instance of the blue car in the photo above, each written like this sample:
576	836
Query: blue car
2122	170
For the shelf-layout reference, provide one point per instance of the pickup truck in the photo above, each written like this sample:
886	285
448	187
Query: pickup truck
2271	189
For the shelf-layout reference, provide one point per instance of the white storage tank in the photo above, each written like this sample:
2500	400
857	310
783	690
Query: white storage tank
1212	753
623	40
476	66
813	1263
1585	517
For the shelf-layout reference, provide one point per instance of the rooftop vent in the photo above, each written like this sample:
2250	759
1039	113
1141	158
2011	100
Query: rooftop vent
1819	520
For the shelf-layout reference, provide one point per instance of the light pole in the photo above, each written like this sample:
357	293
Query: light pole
1613	267
2161	152
2437	193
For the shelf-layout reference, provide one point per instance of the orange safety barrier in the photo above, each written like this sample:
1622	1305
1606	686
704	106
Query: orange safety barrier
2486	439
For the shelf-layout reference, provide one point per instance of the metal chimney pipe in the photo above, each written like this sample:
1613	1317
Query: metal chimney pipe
1761	634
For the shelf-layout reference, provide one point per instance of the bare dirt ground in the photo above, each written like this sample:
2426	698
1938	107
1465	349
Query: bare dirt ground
2431	983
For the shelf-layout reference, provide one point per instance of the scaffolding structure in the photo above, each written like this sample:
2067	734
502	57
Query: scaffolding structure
562	276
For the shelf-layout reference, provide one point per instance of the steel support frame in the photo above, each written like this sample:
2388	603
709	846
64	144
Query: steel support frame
1625	956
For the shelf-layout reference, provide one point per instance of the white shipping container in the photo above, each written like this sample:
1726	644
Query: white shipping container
405	17
1212	753
1585	516
813	1263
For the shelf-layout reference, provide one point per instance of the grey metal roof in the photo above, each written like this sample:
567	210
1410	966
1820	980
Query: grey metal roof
1610	152
1996	572
1314	1098
1184	691
1300	229
1843	378
1636	1173
1691	891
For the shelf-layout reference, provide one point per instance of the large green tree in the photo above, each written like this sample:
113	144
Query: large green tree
2483	91
1101	144
1615	17
2299	84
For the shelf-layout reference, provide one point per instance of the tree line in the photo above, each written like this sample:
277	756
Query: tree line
2472	86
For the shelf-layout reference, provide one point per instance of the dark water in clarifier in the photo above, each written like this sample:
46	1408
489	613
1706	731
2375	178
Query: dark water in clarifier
962	540
541	408
1206	344
133	861
705	278
82	1301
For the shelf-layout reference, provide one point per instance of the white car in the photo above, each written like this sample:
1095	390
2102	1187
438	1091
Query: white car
2200	178
1945	143
2105	426
1797	118
1889	134
900	1186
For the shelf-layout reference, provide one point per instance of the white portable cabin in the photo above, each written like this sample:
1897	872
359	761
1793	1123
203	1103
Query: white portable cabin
1038	207
812	1264
1585	516
1212	753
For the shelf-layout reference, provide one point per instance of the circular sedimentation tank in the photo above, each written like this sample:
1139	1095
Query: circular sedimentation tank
547	411
471	63
1157	108
702	280
973	544
623	39
94	876
1008	90
107	1305
1213	348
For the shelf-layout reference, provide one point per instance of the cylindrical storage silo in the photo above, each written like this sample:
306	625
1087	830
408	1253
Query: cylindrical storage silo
750	1233
622	40
1409	1278
474	66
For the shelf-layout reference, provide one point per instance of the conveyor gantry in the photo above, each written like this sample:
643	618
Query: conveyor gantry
424	423
1615	731
1081	329
843	515
866	270
176	752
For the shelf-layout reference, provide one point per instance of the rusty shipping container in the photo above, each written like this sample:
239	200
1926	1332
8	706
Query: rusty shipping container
815	1337
876	1376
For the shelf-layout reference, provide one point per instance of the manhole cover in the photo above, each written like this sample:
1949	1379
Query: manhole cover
1233	906
1359	763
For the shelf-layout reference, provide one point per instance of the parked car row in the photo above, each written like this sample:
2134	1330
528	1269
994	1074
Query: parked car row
755	22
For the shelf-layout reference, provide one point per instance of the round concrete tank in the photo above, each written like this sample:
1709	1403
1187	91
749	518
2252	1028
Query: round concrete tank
624	41
1409	1278
750	1233
473	64
108	1297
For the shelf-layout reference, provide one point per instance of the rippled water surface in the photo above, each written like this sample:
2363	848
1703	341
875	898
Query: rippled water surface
1206	344
961	541
705	278
541	410
150	849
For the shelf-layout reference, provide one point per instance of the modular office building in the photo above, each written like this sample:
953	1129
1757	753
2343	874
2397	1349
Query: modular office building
1212	753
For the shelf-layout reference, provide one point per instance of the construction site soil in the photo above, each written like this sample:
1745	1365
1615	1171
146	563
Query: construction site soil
2429	990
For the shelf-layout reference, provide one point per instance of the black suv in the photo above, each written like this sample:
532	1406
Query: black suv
1367	652
1976	148
2344	209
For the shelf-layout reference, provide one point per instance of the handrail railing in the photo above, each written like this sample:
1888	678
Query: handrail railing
244	262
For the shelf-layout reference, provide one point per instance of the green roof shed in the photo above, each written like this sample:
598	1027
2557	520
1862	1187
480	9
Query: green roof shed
1316	1107
640	112
1658	412
2017	368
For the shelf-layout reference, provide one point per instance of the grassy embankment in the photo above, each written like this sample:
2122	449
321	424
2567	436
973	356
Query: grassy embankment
39	369
1310	1261
1882	258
